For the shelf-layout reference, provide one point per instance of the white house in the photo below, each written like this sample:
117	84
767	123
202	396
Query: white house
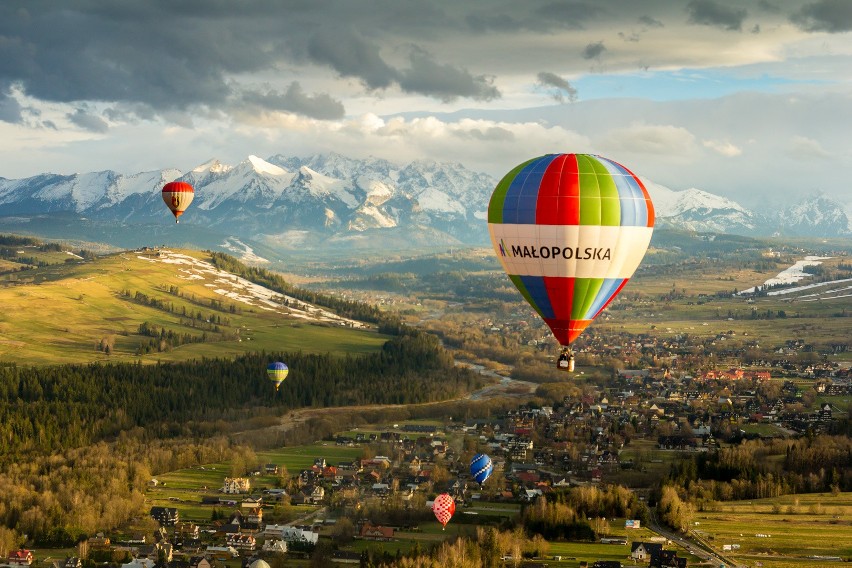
274	545
235	485
139	563
290	534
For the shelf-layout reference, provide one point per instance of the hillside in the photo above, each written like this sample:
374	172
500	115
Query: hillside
153	305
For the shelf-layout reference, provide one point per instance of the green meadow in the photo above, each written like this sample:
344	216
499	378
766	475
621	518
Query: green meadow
61	313
298	458
791	530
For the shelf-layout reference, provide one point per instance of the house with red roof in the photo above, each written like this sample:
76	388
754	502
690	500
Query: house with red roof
20	557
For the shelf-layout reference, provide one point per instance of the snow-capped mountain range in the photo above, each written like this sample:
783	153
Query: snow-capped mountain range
328	200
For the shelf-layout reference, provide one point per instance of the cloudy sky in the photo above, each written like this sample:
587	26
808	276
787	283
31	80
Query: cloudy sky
747	99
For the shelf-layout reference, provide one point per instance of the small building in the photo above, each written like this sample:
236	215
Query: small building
140	563
274	545
290	534
371	532
99	542
166	516
644	550
199	562
241	541
235	485
667	559
20	557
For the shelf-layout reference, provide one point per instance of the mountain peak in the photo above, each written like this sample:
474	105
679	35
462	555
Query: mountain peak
261	166
213	166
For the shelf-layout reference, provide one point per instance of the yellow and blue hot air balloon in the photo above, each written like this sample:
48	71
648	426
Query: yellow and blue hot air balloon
570	230
277	372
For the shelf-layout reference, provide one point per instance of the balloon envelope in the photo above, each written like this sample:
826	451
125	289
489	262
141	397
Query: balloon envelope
177	196
570	230
277	372
481	467
444	507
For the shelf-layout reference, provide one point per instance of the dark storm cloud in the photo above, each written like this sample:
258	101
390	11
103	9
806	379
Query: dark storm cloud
558	88
548	17
153	53
352	56
446	82
84	119
767	6
164	58
593	50
833	16
710	13
650	22
295	100
10	108
569	14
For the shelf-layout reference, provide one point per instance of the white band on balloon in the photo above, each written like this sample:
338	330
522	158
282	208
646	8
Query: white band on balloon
594	251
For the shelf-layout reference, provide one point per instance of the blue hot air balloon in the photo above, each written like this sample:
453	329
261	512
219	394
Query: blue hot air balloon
481	468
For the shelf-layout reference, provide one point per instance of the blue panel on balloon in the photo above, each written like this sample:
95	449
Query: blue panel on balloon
538	292
481	467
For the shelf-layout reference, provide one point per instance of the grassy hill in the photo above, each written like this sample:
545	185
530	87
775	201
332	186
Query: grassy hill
59	307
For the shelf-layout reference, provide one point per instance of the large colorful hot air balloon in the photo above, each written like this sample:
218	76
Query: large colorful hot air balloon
178	195
444	507
570	230
481	467
277	372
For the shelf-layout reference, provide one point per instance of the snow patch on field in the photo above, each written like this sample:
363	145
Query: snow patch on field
790	275
244	252
810	287
241	290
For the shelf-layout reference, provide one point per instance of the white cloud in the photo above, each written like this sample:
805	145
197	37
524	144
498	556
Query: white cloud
640	138
805	148
723	147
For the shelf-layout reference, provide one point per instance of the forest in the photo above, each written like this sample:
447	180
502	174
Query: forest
54	408
756	469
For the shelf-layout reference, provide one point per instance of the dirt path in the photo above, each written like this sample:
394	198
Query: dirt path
504	387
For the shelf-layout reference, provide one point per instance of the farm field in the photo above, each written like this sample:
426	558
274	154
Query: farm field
786	531
297	458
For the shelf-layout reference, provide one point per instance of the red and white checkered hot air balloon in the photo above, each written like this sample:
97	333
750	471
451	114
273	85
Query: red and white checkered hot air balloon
443	507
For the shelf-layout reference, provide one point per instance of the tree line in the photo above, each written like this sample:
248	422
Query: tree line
53	408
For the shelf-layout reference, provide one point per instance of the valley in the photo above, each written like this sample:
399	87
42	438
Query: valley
686	370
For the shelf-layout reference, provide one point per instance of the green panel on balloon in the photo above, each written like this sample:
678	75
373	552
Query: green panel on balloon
590	193
610	202
594	287
590	210
581	288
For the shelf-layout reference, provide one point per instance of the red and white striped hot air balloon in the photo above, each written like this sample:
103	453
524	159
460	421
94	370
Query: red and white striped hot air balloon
178	195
